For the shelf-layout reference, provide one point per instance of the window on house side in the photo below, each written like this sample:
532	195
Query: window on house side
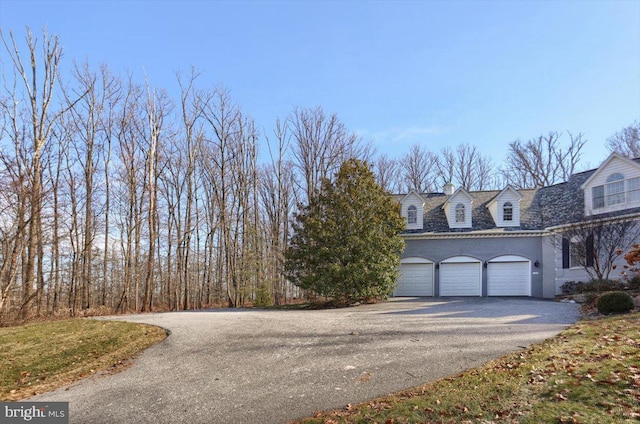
460	213
598	197
633	190
577	254
412	215
615	189
507	211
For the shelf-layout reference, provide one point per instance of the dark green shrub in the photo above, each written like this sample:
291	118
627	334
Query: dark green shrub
614	302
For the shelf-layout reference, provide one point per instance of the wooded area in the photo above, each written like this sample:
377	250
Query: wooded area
116	197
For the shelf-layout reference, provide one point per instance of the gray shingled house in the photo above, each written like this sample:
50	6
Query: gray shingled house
509	242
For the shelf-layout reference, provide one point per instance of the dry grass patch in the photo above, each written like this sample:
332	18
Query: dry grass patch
40	357
590	373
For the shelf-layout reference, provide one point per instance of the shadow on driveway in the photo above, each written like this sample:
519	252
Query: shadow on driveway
517	310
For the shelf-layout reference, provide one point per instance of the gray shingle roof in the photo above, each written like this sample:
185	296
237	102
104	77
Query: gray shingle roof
556	205
563	203
435	220
541	208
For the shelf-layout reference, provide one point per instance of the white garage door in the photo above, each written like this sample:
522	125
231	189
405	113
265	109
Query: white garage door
416	279
460	278
509	277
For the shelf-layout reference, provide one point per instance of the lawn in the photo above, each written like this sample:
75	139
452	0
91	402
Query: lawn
40	357
590	373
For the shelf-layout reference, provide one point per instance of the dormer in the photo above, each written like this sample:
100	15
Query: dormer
412	210
505	208
457	208
614	186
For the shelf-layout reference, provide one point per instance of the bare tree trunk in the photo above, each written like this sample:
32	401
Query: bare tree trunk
39	85
156	110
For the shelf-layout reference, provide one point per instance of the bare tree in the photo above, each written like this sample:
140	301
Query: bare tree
14	162
229	164
12	225
388	173
129	192
542	161
38	77
277	202
596	245
626	141
466	167
112	96
418	169
92	122
321	144
181	188
446	166
156	109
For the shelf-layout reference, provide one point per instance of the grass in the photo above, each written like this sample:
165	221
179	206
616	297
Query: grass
40	357
590	373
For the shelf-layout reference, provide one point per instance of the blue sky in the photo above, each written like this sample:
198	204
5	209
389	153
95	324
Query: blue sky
436	73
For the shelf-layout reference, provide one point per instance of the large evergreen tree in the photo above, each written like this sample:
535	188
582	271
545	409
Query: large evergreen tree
346	242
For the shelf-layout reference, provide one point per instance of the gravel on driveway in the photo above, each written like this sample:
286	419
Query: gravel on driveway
257	366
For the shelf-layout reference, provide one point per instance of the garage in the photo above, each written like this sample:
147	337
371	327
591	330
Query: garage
416	278
509	276
461	276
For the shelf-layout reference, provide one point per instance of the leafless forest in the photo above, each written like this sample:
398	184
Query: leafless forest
116	197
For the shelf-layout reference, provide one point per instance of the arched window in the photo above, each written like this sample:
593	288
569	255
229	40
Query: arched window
615	189
615	177
412	215
460	213
507	211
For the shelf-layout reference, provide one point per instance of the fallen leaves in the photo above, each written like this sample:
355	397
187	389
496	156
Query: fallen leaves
594	365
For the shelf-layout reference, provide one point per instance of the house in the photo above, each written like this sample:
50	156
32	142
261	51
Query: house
509	242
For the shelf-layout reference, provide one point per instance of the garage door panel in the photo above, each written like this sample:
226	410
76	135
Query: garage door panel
415	280
460	279
508	279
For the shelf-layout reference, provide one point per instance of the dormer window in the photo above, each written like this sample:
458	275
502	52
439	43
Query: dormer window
615	189
507	211
458	209
633	190
505	208
460	213
598	197
412	209
412	215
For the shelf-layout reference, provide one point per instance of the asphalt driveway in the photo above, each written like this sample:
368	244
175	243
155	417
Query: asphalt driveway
252	366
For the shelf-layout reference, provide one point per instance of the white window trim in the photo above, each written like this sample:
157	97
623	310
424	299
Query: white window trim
625	192
572	242
460	207
505	206
412	215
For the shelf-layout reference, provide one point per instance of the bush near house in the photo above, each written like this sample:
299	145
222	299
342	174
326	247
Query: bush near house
618	295
615	302
593	286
